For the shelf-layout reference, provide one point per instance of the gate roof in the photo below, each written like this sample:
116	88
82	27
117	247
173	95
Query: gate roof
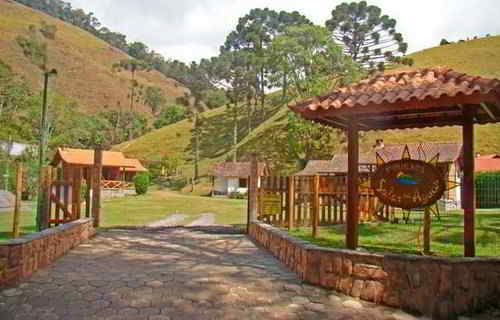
423	98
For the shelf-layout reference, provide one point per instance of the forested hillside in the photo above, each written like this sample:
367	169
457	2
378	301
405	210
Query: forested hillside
477	57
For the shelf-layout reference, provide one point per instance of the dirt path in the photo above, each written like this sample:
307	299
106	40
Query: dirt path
173	220
206	219
176	273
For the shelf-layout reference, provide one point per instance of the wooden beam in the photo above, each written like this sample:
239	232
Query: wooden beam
96	187
427	231
291	201
316	207
469	194
488	111
253	189
352	185
17	204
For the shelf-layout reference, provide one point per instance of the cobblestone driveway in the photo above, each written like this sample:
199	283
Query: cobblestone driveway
178	273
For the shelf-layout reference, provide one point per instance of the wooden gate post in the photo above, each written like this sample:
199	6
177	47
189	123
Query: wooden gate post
77	187
291	201
17	206
46	191
96	187
316	207
469	188
352	235
253	188
89	179
427	230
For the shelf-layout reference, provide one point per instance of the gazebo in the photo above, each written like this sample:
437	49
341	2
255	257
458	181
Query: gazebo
417	99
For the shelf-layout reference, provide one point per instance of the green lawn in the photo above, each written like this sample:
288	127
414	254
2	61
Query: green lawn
26	224
157	205
446	235
142	210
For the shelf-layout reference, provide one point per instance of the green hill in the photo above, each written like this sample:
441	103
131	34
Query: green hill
83	61
477	57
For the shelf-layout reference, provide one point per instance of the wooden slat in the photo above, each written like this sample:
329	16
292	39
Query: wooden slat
17	204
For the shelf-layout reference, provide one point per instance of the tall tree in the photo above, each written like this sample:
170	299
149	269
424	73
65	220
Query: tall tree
312	63
154	98
369	37
133	66
253	34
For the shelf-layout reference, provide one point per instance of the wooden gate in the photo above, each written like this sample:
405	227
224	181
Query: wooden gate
304	200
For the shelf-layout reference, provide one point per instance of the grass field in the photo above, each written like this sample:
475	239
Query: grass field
142	210
446	235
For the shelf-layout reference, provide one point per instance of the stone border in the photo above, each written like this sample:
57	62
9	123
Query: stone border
19	258
434	286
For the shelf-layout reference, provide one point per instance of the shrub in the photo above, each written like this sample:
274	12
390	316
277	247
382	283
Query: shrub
237	195
141	183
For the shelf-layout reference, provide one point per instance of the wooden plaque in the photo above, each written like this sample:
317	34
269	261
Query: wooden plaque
408	183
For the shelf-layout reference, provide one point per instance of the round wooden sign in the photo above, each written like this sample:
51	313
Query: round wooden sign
408	183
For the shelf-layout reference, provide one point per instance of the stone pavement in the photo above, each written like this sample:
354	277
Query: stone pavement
176	273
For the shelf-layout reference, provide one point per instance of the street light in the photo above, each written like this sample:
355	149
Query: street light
41	150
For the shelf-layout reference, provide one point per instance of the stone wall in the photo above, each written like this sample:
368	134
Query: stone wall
21	257
438	287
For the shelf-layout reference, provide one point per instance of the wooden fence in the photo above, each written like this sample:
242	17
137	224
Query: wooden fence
313	201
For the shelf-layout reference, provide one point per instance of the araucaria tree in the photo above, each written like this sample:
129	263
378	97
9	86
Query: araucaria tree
253	35
368	37
133	66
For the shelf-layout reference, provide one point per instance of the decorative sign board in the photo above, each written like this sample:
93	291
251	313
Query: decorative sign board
408	183
270	204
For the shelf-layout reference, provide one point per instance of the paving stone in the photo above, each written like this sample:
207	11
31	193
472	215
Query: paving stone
12	292
352	304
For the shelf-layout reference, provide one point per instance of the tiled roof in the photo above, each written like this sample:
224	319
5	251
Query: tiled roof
489	156
235	169
84	157
403	87
316	166
427	97
487	165
448	152
135	166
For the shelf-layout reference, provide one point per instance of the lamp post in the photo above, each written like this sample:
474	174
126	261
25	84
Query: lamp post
41	149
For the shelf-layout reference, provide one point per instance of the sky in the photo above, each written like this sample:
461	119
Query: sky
189	30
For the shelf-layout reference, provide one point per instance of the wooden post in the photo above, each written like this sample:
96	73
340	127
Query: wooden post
427	230
68	174
96	187
77	187
291	201
253	188
469	187
89	180
17	205
315	218
352	186
46	190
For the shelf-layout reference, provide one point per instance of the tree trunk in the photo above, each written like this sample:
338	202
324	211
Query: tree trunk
132	93
249	114
235	133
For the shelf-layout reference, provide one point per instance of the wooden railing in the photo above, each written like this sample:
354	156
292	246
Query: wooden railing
306	193
116	185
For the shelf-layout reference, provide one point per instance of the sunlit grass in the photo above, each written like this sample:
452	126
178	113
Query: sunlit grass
446	235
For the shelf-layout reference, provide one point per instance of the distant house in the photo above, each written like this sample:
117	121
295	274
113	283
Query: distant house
449	155
115	167
15	149
229	177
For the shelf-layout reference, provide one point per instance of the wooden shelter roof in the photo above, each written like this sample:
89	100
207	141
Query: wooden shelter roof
422	98
85	157
135	166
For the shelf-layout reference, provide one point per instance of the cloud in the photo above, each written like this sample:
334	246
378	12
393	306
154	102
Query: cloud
192	29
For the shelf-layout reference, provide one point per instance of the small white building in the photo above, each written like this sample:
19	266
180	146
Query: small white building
230	177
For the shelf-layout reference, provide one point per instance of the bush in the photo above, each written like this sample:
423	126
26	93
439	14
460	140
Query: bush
237	195
141	183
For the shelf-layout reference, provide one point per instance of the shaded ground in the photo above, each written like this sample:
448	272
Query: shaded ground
176	273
